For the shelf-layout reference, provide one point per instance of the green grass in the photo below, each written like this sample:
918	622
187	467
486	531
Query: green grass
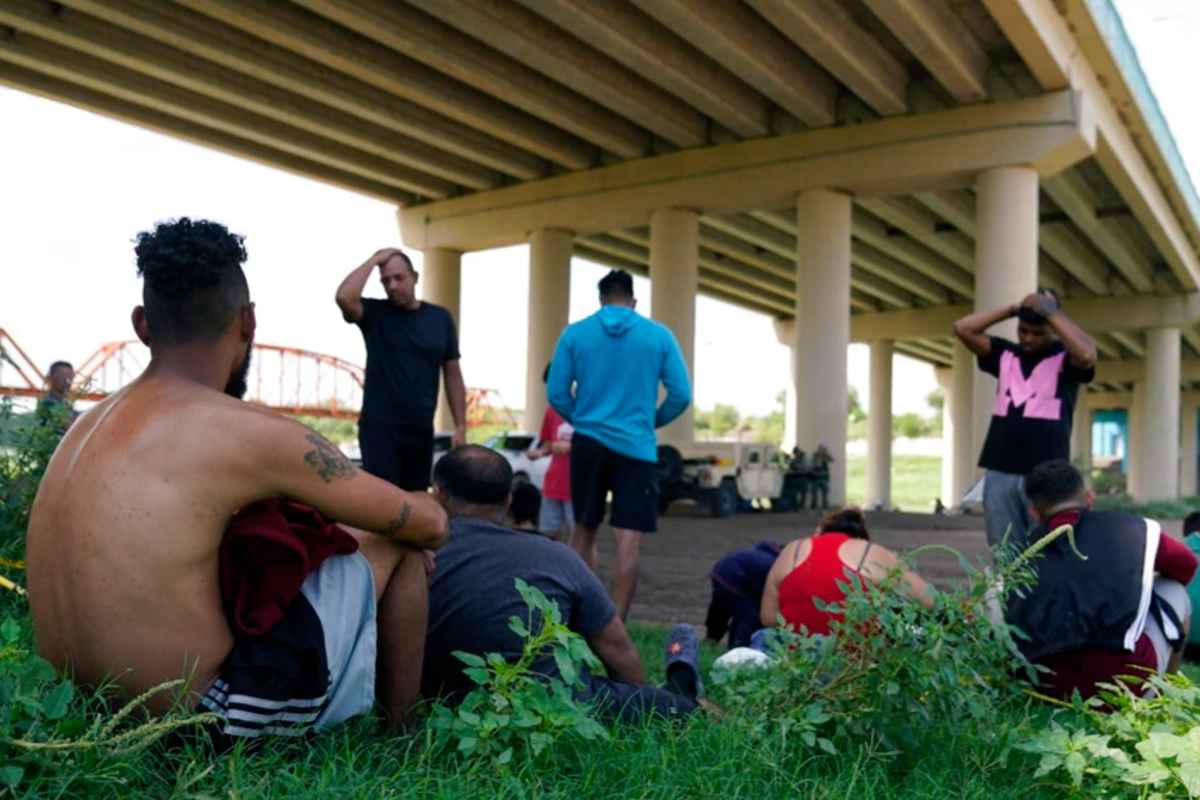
700	759
916	481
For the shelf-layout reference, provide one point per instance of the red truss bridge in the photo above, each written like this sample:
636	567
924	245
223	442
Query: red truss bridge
287	379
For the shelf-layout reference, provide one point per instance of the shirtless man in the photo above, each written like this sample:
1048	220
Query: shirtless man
124	534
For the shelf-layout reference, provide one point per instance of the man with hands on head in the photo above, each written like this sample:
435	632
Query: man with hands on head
1037	383
408	343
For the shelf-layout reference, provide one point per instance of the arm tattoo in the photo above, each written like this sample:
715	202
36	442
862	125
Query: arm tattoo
400	521
327	460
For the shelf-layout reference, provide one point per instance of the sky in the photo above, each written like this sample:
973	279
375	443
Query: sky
77	187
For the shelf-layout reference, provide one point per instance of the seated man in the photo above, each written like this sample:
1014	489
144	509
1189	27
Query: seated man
473	595
737	589
1094	618
125	532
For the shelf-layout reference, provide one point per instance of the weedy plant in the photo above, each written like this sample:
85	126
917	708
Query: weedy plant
1126	742
896	673
513	713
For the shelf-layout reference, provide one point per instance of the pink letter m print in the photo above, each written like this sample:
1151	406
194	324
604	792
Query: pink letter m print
1035	393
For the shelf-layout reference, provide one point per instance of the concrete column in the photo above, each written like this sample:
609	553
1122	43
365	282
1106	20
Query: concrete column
1081	434
549	307
789	405
958	457
674	278
1159	457
1136	436
441	284
879	427
823	328
1006	262
1187	450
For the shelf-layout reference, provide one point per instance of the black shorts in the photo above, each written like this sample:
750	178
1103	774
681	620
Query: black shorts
400	454
596	471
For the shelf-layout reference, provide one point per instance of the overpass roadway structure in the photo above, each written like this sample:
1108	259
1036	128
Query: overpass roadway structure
856	169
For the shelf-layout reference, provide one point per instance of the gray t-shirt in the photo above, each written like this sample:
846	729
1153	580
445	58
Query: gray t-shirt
473	596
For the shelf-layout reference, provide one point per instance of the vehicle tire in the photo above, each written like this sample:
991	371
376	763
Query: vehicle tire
785	503
723	501
664	502
670	465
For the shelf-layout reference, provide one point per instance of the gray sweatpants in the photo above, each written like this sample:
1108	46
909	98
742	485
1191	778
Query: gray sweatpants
1006	509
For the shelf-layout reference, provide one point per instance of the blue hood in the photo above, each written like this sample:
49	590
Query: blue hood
604	380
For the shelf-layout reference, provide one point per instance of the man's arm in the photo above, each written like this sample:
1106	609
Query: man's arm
679	388
349	292
1081	349
283	457
1175	560
971	329
616	652
456	395
562	375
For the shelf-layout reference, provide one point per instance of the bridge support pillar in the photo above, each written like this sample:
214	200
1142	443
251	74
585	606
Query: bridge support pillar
441	284
1158	443
1006	263
879	430
822	332
549	309
674	276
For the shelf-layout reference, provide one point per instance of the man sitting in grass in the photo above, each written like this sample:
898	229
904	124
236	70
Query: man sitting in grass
126	531
473	595
1097	610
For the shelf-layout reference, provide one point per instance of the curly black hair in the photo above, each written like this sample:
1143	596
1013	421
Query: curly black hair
849	520
194	280
1053	483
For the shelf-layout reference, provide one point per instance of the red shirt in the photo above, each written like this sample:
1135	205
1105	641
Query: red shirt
1083	669
820	576
557	485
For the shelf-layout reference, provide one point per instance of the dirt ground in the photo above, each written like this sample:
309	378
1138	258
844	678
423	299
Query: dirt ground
674	584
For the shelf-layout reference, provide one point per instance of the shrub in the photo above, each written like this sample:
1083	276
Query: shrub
514	713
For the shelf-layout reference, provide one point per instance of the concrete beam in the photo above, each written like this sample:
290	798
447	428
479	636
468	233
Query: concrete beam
749	47
749	300
1071	193
869	259
923	226
750	228
825	30
656	52
100	103
146	56
875	232
941	42
1077	256
207	38
304	34
530	40
1093	314
405	29
123	84
1130	341
884	157
1059	60
1131	370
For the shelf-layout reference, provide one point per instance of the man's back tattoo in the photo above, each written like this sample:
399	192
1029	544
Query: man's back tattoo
327	460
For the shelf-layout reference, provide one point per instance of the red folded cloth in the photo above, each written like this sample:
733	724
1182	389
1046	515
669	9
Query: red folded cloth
269	548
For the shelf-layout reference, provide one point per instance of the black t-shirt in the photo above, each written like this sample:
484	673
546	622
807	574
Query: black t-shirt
405	354
1034	406
473	595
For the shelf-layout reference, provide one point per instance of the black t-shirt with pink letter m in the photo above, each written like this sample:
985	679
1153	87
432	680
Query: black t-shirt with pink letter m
1034	406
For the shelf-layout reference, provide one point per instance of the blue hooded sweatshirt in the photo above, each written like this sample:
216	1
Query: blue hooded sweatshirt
615	359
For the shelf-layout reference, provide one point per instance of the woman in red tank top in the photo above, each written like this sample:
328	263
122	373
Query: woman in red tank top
821	567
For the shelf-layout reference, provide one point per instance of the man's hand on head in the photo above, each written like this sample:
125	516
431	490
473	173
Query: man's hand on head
382	255
1040	303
